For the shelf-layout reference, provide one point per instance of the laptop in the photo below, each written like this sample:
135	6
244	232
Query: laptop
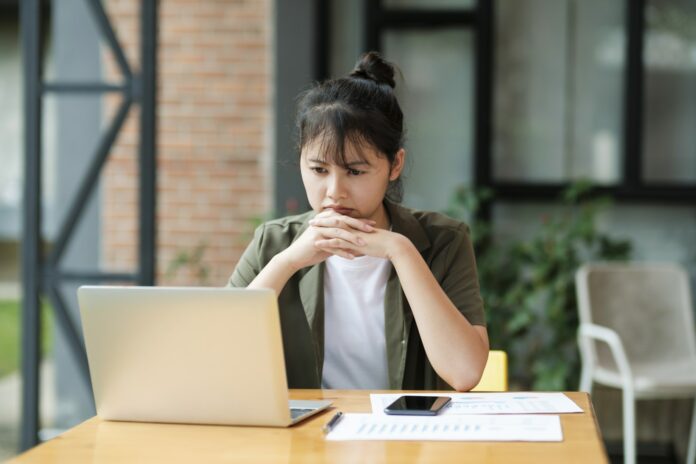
188	355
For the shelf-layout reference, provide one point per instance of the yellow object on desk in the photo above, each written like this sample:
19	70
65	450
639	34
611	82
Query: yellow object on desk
494	378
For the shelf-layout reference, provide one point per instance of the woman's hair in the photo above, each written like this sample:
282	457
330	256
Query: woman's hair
360	109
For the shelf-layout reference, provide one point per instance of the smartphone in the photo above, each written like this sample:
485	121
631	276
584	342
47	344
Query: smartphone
417	405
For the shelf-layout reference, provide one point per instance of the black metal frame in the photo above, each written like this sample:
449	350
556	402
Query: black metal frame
632	187
633	96
378	18
44	275
322	43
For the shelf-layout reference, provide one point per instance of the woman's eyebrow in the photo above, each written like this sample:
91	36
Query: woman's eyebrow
354	163
357	163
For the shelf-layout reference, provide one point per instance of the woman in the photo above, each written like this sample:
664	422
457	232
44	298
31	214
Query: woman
371	294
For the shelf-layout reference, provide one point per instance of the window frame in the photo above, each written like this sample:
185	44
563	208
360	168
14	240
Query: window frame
631	187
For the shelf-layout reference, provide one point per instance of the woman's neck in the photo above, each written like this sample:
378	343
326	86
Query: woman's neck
382	218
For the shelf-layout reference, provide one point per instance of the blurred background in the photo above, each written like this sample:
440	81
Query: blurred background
562	131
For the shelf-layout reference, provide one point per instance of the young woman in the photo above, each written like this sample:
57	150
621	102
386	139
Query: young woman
371	294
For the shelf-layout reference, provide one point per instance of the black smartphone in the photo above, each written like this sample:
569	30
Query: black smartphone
417	405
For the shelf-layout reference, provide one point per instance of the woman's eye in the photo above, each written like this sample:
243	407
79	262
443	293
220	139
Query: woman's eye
318	170
354	172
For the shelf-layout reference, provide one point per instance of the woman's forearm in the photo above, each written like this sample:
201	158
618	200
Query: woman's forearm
457	350
275	274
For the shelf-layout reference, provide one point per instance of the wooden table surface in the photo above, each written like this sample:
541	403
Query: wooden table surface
103	441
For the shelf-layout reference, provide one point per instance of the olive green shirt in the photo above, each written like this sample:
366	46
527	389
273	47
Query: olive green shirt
443	243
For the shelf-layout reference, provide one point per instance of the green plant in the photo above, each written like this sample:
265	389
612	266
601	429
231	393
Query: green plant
10	332
528	285
193	261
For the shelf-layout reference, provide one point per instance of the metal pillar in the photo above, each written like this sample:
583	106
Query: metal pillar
45	276
30	17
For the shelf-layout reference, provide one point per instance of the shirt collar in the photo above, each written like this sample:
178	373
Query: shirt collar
404	222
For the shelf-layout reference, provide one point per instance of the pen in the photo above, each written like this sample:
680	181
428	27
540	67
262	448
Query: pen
332	423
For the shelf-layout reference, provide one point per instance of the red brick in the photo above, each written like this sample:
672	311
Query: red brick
214	115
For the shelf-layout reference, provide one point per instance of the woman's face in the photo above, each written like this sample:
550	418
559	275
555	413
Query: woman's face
355	190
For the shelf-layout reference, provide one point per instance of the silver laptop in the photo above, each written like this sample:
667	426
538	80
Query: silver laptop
188	355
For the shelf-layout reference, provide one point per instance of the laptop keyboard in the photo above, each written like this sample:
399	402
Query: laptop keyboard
297	412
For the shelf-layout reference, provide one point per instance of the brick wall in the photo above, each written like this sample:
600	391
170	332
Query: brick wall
214	122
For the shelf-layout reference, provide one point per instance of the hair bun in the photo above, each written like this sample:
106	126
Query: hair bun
373	67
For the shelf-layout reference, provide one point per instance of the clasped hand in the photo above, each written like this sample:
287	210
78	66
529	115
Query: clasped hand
330	233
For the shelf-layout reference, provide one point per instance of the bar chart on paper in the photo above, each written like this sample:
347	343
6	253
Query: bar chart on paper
448	428
513	404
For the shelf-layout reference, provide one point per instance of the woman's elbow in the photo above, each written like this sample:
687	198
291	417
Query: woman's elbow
466	377
464	383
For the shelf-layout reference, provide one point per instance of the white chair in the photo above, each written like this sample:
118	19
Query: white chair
637	334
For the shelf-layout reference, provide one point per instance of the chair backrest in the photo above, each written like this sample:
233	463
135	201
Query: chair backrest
494	376
648	305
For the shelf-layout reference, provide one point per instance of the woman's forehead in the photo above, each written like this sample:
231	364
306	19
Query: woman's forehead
326	151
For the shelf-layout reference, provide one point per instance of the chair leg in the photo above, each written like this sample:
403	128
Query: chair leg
691	450
586	379
629	426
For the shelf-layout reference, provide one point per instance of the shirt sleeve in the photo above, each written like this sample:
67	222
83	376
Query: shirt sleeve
460	279
249	264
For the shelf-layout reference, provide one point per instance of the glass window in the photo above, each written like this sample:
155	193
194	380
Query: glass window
347	32
669	153
558	95
437	100
10	129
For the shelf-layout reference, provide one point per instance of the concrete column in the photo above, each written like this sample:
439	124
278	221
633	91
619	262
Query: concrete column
294	61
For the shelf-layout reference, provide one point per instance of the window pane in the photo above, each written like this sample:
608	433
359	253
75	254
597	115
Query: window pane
558	96
436	97
429	4
10	129
347	32
670	91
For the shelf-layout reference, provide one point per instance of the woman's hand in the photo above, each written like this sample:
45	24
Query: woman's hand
345	231
379	243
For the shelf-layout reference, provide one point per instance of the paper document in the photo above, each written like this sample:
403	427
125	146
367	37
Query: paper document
448	428
491	403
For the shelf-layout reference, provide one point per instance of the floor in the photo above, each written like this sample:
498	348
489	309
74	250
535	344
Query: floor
10	404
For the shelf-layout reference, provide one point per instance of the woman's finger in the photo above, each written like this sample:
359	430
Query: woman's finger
333	243
365	225
336	233
342	252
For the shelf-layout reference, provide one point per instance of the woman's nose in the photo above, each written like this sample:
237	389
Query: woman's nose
334	189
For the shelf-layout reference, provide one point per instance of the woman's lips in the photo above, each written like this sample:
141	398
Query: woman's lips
339	210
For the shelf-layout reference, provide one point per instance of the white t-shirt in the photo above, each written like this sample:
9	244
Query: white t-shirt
355	351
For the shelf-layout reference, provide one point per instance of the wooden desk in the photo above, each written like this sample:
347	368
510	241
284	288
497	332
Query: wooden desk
103	441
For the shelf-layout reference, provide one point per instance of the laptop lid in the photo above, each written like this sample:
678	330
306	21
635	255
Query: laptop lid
188	355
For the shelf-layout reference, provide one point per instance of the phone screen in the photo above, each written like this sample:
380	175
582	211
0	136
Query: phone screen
417	405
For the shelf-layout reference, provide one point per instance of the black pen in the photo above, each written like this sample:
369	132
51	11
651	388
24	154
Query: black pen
332	423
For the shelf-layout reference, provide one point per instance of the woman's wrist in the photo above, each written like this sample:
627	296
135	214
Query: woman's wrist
399	247
284	260
275	274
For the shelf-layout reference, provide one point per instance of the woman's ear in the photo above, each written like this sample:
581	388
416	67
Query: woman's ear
398	165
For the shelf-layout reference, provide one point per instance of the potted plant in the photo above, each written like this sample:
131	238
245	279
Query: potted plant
528	286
